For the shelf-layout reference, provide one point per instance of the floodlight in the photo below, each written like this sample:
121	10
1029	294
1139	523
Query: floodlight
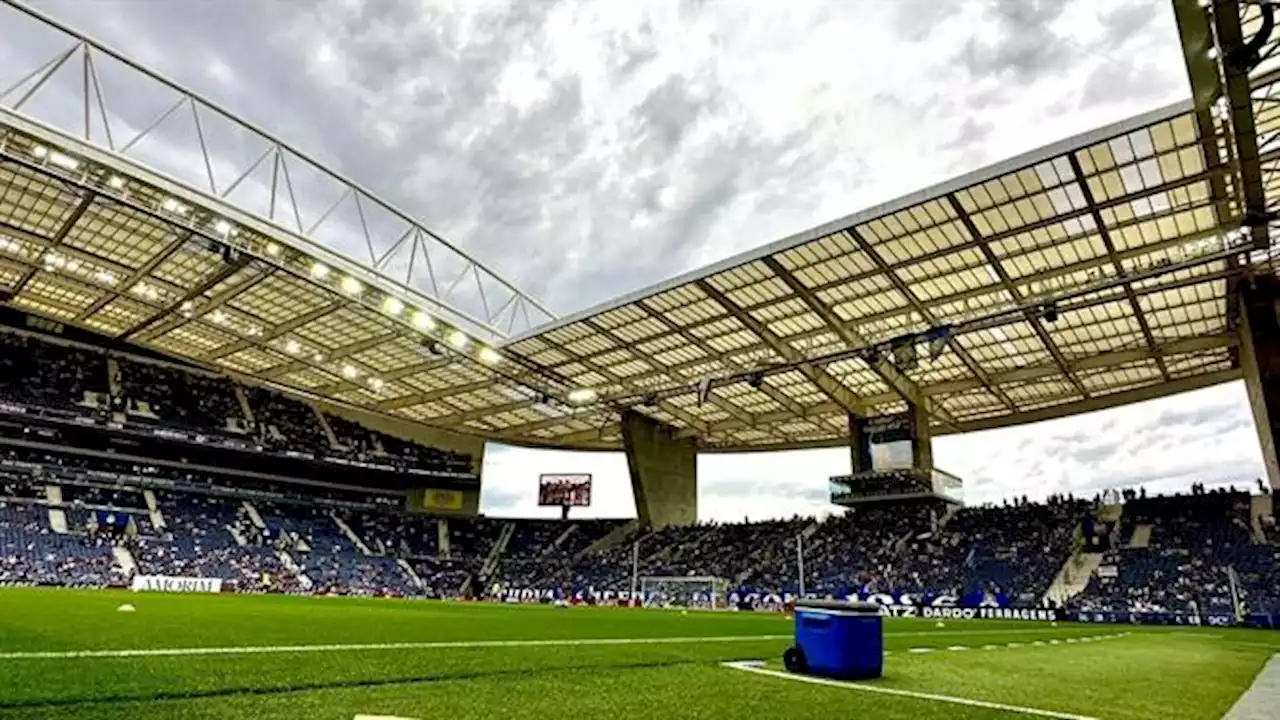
582	396
423	321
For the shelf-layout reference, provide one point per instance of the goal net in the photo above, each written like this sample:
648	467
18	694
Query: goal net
684	592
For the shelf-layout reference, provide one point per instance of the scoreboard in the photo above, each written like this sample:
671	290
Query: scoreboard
564	490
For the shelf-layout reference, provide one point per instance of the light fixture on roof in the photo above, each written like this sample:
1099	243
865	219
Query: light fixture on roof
1213	53
222	227
293	347
1205	3
350	372
376	383
392	306
9	246
115	182
146	291
423	321
219	317
40	151
64	161
1221	108
489	356
582	396
273	249
319	271
457	339
106	278
187	308
254	331
351	286
317	357
173	206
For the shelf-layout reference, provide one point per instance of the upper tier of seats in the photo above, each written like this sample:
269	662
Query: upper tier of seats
39	372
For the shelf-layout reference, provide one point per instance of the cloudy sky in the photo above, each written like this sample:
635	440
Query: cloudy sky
585	149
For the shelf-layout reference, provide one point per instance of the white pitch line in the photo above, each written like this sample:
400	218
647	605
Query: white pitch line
268	649
920	651
755	668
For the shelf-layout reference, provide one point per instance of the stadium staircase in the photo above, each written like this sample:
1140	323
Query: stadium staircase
239	537
328	429
561	538
1141	535
499	547
113	378
1260	506
946	517
153	508
243	401
254	517
410	573
292	566
443	547
125	560
57	516
1074	576
350	534
613	537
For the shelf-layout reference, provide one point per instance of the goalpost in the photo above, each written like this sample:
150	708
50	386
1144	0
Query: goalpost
683	591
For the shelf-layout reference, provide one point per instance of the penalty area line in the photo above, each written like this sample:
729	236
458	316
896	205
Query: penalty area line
755	667
460	645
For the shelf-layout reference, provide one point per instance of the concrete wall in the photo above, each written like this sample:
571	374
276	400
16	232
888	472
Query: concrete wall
664	471
1260	362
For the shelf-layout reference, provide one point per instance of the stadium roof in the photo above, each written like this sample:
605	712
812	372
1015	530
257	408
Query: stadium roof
1090	273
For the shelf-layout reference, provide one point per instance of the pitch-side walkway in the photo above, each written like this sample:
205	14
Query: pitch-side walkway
1262	700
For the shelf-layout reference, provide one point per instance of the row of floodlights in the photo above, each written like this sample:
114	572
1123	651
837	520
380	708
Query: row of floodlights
391	306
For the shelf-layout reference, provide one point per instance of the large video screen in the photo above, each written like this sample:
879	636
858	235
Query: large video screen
565	490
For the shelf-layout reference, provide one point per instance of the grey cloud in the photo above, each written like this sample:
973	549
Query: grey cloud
1095	454
970	133
915	20
1112	82
1197	418
670	112
1126	21
1026	48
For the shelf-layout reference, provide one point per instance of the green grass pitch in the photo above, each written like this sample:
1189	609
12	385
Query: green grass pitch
456	660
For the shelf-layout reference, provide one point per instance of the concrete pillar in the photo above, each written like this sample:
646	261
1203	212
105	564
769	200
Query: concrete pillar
921	437
859	448
664	471
1260	362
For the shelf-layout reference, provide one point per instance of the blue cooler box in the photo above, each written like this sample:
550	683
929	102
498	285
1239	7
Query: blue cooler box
837	639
